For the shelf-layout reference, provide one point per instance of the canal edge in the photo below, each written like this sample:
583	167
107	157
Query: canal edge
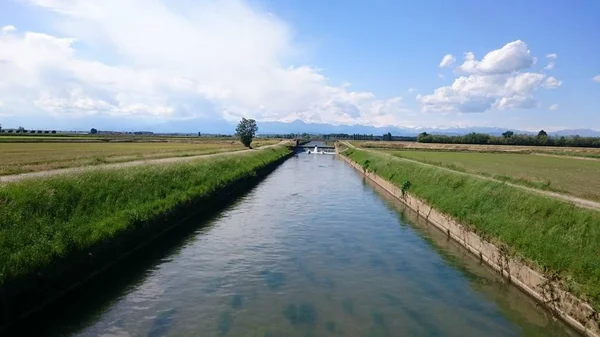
545	290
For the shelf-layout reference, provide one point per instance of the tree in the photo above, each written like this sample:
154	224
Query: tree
246	130
542	133
422	137
93	131
21	129
507	134
387	136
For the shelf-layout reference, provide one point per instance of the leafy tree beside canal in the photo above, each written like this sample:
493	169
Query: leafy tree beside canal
246	130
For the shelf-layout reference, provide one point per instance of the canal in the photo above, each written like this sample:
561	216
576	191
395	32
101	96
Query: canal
313	250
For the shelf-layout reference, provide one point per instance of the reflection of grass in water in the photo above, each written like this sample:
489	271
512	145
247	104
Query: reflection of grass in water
162	323
225	323
348	306
274	279
305	313
237	301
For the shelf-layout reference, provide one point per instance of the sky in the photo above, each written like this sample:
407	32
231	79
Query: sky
187	65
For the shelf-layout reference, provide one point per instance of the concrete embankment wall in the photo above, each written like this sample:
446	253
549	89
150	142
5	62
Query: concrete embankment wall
25	297
546	290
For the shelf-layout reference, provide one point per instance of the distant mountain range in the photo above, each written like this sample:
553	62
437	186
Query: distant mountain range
301	127
220	126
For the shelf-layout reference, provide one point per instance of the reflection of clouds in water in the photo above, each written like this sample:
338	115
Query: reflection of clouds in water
152	288
162	323
116	333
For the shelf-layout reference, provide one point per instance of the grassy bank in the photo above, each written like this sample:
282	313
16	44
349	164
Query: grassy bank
577	177
554	236
44	223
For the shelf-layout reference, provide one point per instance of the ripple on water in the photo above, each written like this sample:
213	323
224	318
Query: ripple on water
162	323
237	301
273	279
304	313
225	323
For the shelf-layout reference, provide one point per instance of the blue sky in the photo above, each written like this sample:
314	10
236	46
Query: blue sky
182	63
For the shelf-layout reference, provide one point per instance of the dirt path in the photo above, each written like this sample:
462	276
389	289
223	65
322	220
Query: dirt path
575	200
75	170
568	157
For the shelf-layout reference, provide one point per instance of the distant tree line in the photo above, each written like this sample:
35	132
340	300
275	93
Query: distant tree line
510	138
22	130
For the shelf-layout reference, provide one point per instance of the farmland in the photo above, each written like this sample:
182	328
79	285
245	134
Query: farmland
25	157
549	150
580	178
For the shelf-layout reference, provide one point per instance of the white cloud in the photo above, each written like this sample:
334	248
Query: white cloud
513	56
553	107
495	82
596	78
197	59
552	83
447	61
8	29
412	90
551	61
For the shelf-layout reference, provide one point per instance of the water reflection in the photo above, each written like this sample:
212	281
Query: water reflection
315	250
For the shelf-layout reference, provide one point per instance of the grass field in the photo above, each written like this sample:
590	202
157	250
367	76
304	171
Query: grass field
552	150
31	157
44	220
554	236
580	178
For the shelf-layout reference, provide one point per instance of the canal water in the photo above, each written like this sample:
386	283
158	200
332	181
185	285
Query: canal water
313	250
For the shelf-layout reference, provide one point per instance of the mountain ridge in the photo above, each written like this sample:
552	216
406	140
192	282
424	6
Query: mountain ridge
301	127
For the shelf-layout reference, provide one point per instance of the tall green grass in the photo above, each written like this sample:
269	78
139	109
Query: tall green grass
43	221
555	236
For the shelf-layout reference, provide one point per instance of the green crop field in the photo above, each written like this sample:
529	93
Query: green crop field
40	156
588	152
577	177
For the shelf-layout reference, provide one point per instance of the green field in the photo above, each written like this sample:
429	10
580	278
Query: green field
577	177
552	235
31	157
45	220
586	152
